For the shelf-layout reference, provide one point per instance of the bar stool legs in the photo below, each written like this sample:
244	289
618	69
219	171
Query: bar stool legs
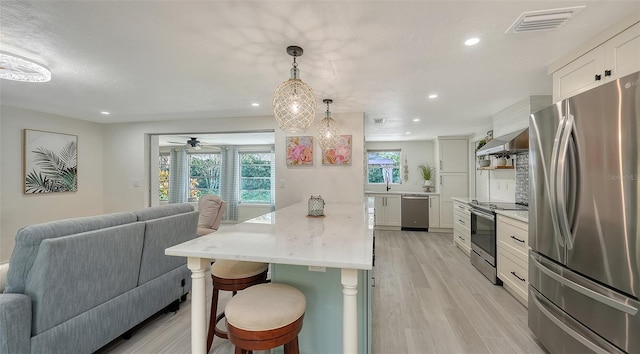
229	275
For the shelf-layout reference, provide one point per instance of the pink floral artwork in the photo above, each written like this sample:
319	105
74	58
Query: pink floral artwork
341	155
299	150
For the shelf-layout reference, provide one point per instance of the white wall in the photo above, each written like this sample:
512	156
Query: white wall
127	160
334	183
416	153
114	157
18	209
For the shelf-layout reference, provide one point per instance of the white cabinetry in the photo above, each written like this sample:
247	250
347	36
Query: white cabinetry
453	170
434	211
617	57
387	211
513	256
462	226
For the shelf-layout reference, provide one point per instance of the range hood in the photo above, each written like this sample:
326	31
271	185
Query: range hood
509	144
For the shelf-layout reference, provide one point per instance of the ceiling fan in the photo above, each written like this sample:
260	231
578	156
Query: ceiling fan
192	142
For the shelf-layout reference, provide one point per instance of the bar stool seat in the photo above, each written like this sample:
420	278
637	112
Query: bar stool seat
266	316
231	275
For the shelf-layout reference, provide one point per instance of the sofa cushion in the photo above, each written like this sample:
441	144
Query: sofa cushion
162	211
28	241
72	274
161	234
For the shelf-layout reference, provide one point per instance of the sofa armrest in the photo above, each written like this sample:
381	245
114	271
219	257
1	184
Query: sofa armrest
15	323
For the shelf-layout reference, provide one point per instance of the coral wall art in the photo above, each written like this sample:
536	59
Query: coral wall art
50	162
340	155
299	151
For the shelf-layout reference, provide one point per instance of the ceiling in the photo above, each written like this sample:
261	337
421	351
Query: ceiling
171	60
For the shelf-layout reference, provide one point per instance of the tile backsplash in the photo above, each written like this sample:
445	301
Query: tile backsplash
522	178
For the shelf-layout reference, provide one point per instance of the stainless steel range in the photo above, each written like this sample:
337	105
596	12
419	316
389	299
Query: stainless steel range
483	236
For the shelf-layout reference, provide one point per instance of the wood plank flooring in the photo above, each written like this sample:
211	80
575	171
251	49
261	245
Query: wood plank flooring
427	299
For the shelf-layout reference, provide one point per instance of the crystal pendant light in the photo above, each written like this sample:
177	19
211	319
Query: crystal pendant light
328	131
17	68
294	103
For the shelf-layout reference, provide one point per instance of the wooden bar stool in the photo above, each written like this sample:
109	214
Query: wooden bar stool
266	316
231	275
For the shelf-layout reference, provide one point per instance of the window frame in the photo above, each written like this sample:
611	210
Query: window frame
200	191
396	179
270	178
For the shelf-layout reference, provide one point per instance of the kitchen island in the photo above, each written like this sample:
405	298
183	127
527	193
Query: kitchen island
300	249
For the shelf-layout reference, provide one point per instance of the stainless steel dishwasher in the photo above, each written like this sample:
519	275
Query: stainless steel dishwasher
415	212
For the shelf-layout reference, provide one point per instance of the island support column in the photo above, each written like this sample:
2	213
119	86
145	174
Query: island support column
349	279
198	267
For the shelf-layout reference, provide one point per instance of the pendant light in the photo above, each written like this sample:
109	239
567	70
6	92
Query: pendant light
294	103
328	131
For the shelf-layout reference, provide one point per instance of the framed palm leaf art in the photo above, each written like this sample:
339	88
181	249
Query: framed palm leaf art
50	162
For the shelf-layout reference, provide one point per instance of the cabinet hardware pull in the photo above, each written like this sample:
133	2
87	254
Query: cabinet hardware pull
517	239
441	164
461	221
598	77
516	275
607	73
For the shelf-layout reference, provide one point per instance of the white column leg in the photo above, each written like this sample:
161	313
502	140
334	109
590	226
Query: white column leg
198	267
349	281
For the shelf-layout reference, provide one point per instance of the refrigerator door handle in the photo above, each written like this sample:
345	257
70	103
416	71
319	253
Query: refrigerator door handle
585	291
561	203
553	181
566	328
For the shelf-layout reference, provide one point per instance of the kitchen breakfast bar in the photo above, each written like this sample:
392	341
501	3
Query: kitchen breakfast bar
328	258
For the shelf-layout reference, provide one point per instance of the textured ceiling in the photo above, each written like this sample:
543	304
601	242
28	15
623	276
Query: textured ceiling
168	60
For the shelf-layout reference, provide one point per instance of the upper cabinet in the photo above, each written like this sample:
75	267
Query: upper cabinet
454	155
616	57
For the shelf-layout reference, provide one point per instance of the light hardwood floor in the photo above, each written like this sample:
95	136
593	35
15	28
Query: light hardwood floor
427	299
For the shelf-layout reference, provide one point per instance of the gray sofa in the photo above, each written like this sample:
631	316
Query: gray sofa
75	285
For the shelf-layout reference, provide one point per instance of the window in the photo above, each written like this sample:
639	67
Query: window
383	166
204	174
255	177
163	180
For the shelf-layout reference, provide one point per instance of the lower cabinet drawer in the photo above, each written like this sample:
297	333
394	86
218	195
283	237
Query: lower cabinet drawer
514	274
463	238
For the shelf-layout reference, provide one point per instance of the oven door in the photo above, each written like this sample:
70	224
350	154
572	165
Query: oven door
483	234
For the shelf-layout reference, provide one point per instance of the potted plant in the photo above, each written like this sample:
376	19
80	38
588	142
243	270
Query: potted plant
426	170
482	160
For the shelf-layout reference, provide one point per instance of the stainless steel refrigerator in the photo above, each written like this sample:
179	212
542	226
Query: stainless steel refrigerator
584	221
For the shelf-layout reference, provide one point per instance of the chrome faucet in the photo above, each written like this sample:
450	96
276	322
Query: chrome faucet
388	188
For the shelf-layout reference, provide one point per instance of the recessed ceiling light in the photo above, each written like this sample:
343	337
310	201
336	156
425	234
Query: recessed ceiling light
17	68
416	119
433	95
255	104
105	113
472	41
407	133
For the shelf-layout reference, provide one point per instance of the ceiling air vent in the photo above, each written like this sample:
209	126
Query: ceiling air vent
543	20
378	120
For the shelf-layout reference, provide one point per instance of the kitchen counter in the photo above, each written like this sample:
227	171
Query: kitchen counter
462	200
392	192
342	239
520	215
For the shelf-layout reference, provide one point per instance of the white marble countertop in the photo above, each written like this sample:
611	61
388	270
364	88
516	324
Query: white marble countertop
400	192
341	239
520	215
462	200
